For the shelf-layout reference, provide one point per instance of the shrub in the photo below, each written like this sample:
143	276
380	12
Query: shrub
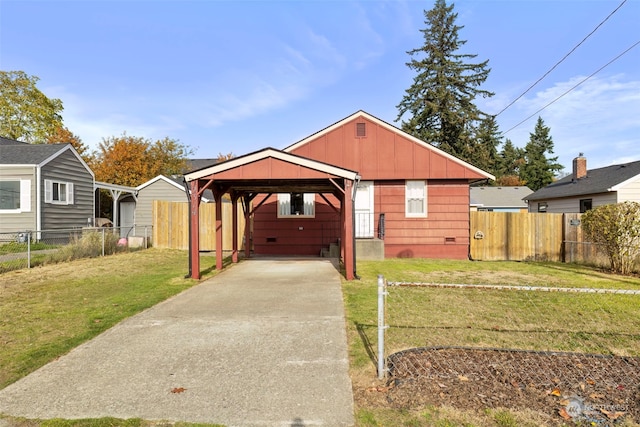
615	229
89	245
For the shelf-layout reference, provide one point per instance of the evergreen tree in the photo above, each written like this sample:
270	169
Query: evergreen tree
508	165
538	171
484	153
440	102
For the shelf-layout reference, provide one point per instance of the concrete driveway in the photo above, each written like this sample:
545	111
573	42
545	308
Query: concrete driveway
261	344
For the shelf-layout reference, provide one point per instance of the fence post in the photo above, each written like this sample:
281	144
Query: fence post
381	327
102	241
28	249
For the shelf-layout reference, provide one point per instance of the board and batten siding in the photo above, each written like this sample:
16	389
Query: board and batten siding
158	190
67	168
11	222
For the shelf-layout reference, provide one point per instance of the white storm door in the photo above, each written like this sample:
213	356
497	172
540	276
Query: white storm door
364	210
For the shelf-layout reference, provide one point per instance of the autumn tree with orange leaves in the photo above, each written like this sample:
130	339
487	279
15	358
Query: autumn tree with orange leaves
131	161
62	135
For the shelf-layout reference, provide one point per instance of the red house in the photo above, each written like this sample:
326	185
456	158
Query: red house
360	180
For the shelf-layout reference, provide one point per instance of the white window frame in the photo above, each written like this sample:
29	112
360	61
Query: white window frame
412	193
25	196
50	191
284	206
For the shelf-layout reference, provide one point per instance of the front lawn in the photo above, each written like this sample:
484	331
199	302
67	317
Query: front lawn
481	319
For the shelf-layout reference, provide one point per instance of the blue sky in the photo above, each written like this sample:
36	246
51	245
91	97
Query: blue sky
238	76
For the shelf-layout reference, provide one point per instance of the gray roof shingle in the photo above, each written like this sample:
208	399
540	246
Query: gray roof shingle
597	181
20	153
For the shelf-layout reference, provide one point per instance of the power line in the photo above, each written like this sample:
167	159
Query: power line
562	60
575	86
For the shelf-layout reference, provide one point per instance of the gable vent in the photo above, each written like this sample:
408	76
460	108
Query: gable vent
361	130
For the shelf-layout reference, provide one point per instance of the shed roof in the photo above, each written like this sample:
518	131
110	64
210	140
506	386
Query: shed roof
500	197
597	181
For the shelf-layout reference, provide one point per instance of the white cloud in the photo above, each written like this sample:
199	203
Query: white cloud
598	118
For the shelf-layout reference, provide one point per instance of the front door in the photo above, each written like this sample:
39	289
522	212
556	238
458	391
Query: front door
364	210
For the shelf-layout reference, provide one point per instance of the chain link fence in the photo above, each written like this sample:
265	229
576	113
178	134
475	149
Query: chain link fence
571	353
27	249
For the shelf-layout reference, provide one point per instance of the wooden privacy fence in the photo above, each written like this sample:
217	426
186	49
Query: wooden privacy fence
515	236
171	225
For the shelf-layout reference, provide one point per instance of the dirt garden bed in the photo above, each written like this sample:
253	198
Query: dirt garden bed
566	387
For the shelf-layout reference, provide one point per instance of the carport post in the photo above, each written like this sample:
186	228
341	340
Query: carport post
194	229
218	230
347	227
234	229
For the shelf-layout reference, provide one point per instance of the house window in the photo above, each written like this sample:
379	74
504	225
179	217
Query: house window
585	205
416	199
296	205
59	193
15	196
542	207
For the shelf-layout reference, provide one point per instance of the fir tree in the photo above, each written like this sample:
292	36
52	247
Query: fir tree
509	162
538	171
440	102
484	152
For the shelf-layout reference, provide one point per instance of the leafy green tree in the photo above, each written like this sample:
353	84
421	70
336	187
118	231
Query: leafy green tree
615	228
539	170
26	114
508	164
440	102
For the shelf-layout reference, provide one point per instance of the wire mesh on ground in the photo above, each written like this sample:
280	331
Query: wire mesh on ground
28	249
520	347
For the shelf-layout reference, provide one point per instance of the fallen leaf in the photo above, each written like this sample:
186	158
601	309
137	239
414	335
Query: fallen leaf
620	387
563	413
596	395
463	378
564	402
590	381
178	390
555	392
612	415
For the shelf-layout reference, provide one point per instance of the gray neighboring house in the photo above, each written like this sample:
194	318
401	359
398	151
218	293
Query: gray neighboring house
43	187
136	213
585	189
499	199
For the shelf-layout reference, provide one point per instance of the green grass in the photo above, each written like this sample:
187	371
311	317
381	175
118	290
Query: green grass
604	324
15	247
47	311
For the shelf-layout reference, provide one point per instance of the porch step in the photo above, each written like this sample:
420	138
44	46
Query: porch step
333	251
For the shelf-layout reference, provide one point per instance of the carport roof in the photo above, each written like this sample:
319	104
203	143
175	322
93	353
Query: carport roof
315	179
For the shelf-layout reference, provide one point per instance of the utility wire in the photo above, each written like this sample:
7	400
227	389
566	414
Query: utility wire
562	60
582	81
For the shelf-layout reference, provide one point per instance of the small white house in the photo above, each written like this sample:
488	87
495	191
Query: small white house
585	189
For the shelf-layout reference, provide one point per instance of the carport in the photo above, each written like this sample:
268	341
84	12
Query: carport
267	172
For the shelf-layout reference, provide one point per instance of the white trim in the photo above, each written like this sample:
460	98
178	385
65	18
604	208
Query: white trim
284	201
391	128
276	154
74	152
24	195
622	184
422	214
160	178
49	192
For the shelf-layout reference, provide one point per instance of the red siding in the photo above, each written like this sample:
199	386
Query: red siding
447	219
282	236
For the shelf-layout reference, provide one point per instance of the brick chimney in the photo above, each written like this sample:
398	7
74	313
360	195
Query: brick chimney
579	167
